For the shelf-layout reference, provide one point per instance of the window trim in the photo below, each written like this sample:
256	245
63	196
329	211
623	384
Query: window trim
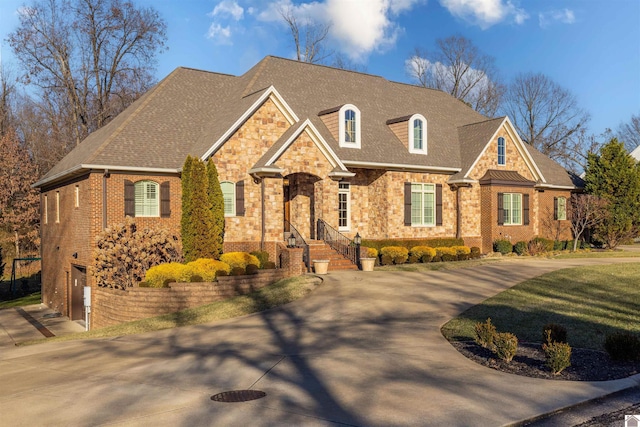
347	191
145	202
410	130
233	198
341	126
561	215
504	151
77	196
508	212
422	193
57	207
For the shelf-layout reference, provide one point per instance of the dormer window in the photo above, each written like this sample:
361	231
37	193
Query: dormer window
418	134
501	152
349	126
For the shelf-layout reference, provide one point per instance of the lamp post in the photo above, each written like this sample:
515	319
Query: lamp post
291	241
358	241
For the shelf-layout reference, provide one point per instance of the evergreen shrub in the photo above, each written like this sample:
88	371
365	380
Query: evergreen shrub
503	246
623	346
485	333
521	248
424	253
398	254
209	268
554	333
160	275
239	259
263	257
505	345
557	354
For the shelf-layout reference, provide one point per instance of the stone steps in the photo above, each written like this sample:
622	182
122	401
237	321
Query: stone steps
320	250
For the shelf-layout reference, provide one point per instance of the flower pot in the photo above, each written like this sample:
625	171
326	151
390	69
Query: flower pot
320	266
367	263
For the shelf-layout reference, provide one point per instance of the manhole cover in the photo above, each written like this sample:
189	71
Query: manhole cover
235	396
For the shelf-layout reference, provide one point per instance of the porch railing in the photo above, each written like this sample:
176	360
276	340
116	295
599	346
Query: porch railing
339	242
300	243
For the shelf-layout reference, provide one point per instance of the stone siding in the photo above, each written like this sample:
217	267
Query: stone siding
513	158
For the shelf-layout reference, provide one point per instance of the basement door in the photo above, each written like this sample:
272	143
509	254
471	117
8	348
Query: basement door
78	282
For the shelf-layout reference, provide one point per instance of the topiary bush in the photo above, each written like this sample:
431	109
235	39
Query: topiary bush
503	246
505	346
398	254
622	346
557	354
424	253
410	243
462	252
485	333
239	260
238	271
447	253
520	248
552	332
413	259
386	260
209	268
366	252
475	252
263	257
160	275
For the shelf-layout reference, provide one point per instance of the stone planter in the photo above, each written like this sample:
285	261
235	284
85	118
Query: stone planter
367	263
320	266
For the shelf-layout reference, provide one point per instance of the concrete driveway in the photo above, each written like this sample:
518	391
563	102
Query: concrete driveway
363	349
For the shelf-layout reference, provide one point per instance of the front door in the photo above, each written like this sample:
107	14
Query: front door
78	282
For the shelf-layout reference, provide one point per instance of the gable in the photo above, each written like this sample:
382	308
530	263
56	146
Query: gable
304	155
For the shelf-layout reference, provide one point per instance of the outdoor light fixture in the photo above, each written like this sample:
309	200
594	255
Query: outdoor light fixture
291	241
357	240
75	255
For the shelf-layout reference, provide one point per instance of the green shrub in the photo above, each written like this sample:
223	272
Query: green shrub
520	248
446	253
503	246
424	253
209	268
386	260
239	259
505	345
159	275
366	252
547	244
410	243
554	333
263	257
252	269
166	282
449	257
413	259
475	252
623	346
238	271
462	250
485	333
397	253
269	265
144	285
196	278
557	354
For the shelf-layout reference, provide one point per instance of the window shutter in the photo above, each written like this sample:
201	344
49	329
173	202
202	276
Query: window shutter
555	208
407	203
240	198
525	209
500	209
438	204
129	199
165	200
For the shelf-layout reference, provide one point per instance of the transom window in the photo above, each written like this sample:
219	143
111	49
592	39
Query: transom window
501	152
418	134
349	126
561	208
229	195
344	197
423	204
512	207
147	200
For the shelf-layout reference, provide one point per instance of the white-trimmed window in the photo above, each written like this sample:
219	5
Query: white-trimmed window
57	206
77	196
147	199
512	208
349	126
560	208
423	204
418	134
344	200
502	158
229	195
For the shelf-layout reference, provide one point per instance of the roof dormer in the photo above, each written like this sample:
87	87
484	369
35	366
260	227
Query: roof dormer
344	124
412	131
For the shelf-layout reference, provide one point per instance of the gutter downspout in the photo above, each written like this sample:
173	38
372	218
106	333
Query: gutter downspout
262	215
105	175
458	214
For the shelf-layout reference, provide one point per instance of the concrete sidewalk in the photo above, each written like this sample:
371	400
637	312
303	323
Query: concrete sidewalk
364	349
33	322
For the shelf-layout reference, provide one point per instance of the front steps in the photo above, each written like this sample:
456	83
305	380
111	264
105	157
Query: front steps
320	250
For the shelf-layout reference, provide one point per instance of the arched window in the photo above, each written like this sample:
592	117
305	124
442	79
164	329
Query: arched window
349	126
418	134
147	199
229	195
502	160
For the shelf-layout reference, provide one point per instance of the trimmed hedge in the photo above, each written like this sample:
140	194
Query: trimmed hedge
208	269
423	253
239	260
410	243
161	275
398	254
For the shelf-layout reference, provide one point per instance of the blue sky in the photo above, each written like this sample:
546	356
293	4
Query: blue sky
591	47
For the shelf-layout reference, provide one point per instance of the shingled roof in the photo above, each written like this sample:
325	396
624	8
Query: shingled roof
190	110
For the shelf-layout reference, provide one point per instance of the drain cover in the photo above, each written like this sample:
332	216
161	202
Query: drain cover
235	396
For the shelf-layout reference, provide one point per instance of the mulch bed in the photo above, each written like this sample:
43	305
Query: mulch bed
529	361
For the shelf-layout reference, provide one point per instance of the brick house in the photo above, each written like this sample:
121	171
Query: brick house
294	143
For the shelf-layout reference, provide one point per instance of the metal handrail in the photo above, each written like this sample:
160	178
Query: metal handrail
339	242
300	243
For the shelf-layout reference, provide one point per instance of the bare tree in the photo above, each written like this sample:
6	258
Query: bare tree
7	98
585	212
90	57
629	133
308	37
460	69
546	116
342	62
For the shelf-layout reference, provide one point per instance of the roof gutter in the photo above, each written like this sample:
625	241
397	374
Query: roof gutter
396	166
80	169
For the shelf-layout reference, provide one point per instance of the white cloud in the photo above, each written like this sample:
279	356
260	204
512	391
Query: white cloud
228	8
219	33
564	16
485	13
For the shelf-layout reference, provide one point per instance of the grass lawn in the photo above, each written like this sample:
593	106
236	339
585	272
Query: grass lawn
280	293
595	254
590	302
30	299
